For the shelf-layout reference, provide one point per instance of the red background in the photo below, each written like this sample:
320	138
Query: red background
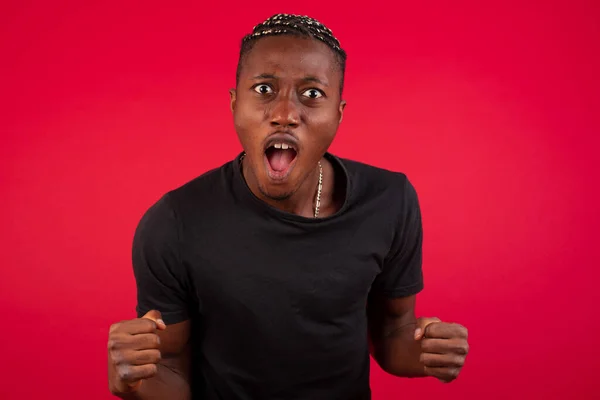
491	108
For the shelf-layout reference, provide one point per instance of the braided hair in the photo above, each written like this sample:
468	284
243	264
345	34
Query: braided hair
290	24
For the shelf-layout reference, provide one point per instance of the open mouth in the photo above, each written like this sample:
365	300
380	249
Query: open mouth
280	158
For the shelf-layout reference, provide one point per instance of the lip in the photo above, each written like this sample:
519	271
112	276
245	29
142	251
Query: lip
291	141
282	137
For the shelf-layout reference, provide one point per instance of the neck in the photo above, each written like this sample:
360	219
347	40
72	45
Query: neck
302	202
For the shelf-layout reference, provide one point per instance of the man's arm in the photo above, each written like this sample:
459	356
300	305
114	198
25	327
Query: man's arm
406	346
172	380
149	359
130	358
392	325
402	344
391	307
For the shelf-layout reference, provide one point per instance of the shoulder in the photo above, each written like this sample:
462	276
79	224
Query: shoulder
198	193
211	182
370	180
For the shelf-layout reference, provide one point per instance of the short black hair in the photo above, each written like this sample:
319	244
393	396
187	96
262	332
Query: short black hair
290	24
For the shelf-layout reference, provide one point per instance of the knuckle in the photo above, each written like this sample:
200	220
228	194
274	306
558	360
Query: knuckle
466	348
459	329
114	328
458	361
118	358
461	348
124	373
149	324
115	342
114	357
152	370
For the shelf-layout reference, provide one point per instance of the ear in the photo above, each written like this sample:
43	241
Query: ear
341	110
232	98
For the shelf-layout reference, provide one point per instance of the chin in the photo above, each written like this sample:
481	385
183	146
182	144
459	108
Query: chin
275	193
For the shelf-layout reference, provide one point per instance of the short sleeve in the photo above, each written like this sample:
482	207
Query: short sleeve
161	280
402	273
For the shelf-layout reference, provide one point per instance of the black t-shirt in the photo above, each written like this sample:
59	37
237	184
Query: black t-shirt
278	301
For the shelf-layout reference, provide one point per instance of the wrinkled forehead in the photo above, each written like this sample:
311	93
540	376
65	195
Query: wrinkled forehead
291	56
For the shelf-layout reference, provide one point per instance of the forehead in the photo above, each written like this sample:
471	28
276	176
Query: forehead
287	55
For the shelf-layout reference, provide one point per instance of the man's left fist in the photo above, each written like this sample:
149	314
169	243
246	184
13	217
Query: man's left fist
444	347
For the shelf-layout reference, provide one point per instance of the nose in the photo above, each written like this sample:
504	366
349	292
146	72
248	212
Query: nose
285	113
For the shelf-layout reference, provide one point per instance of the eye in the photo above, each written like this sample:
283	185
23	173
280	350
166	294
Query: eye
263	89
313	93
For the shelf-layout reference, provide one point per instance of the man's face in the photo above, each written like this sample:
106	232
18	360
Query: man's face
286	110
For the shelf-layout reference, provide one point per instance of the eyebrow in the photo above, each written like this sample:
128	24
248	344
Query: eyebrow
311	78
264	76
308	78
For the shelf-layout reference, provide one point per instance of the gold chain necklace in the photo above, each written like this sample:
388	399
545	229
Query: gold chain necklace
319	188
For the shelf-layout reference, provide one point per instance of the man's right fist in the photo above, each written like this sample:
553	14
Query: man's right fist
133	352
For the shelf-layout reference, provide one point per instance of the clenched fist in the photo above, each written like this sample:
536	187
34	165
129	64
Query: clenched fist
133	352
444	347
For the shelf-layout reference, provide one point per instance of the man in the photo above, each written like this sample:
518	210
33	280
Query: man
276	275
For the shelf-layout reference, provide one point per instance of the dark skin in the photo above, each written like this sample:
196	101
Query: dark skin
148	361
287	85
411	347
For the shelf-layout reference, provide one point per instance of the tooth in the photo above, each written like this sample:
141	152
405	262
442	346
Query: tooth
277	145
284	146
